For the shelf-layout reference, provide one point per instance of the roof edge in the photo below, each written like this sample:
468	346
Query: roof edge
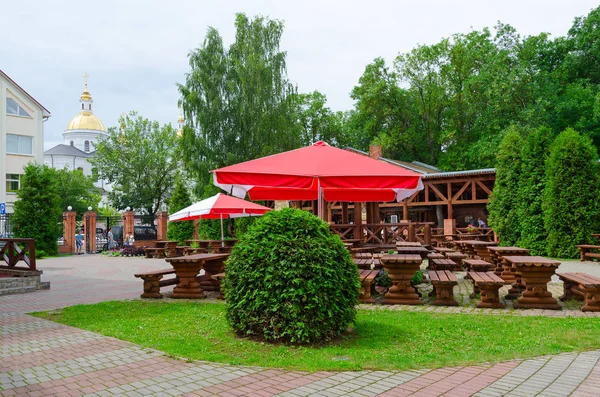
45	111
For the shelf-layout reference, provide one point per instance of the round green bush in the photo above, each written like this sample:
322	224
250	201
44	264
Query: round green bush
290	280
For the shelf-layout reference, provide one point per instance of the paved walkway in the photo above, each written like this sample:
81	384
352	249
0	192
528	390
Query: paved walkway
42	358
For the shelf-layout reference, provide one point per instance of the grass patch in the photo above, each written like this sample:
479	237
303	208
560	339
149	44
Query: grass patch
382	340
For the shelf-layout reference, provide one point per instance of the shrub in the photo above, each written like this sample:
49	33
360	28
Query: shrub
39	254
289	279
383	279
132	251
37	212
182	230
570	202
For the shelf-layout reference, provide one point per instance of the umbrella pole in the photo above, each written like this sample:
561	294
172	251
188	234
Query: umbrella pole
319	200
222	238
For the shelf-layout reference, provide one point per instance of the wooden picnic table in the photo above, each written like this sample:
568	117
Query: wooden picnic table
408	244
506	270
353	241
187	269
537	273
401	268
443	249
420	250
201	243
475	248
368	263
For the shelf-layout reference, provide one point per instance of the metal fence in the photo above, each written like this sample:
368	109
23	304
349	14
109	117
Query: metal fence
6	227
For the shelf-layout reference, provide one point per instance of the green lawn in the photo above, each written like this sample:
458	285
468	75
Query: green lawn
382	339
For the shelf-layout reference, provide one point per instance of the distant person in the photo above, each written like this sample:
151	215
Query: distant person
111	239
481	223
126	240
79	242
131	240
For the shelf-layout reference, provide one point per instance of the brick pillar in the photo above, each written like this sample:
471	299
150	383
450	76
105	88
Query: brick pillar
449	226
90	231
375	151
69	225
127	223
161	225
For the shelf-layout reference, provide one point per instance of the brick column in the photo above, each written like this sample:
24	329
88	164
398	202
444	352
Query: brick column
161	226
449	226
69	225
127	223
90	231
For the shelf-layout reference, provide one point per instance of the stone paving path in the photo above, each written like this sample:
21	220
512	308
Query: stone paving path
42	358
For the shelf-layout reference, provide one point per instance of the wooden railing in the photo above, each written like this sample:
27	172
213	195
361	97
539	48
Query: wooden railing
484	233
15	250
386	233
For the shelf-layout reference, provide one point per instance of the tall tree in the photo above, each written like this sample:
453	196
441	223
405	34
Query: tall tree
570	203
239	103
181	230
139	158
77	190
531	191
317	121
504	198
38	211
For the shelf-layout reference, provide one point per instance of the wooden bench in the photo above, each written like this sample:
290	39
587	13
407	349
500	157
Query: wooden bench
366	279
366	263
435	255
219	278
585	251
443	282
478	265
457	258
441	264
582	286
153	252
193	250
488	284
153	281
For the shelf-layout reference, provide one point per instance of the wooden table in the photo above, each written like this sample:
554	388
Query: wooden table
201	243
353	241
169	246
443	249
536	272
506	270
408	244
187	269
401	268
420	250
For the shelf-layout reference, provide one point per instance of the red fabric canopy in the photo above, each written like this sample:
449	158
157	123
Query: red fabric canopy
297	174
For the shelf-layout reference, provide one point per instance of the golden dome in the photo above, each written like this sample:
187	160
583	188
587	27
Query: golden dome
85	95
85	120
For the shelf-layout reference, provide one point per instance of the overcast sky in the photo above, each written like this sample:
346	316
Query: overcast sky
136	51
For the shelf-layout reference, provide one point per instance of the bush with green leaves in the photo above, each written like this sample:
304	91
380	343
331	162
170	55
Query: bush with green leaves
533	182
570	202
290	280
181	230
502	206
37	212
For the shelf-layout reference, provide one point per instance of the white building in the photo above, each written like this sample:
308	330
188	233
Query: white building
80	138
21	137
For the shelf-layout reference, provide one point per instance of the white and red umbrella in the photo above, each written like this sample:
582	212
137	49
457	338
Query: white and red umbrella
219	206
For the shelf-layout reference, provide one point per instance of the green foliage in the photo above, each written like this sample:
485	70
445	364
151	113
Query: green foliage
318	122
570	201
241	225
503	202
182	230
39	254
289	279
140	159
417	278
238	102
383	279
210	229
37	213
531	190
77	190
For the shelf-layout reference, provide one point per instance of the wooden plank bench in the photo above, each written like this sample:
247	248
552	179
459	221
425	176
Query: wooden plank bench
582	286
443	282
435	255
441	264
488	284
366	263
366	279
153	281
478	265
153	252
585	251
457	258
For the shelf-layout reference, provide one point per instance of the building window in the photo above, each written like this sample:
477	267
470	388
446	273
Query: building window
71	143
19	144
86	146
12	183
12	107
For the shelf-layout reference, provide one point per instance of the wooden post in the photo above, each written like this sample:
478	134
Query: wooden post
358	221
376	215
427	234
344	213
328	211
411	232
449	190
405	210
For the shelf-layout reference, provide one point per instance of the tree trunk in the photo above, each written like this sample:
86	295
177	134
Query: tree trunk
439	213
